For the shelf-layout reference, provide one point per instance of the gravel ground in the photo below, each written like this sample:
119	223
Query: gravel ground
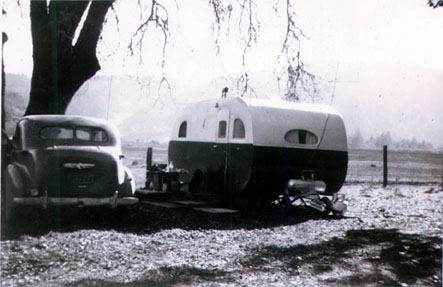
389	237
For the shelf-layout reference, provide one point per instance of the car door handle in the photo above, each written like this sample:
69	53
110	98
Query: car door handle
214	146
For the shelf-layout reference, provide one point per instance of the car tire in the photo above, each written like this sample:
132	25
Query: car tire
8	212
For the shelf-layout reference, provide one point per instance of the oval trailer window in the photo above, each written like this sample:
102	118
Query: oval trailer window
301	137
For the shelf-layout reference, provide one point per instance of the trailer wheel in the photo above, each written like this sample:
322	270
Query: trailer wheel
328	205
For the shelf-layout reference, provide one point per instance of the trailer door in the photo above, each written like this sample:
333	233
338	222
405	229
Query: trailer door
239	150
220	149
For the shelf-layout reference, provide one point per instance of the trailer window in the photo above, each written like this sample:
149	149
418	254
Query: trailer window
222	129
301	137
182	130
239	129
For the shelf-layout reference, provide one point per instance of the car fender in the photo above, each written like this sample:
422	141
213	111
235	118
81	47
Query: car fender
127	188
18	176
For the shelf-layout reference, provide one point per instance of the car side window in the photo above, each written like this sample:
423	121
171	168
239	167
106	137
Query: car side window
222	129
182	130
239	129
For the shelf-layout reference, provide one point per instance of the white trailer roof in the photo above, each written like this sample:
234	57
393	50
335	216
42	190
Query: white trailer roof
282	104
268	121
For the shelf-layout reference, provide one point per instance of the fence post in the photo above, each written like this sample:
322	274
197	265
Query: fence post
149	158
385	165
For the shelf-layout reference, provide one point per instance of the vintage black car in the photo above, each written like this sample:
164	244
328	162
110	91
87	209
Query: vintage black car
65	160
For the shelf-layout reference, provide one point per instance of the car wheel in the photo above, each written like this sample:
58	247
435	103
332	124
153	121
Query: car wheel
8	210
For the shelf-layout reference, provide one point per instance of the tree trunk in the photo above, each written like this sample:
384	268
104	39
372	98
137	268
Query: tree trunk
4	40
61	68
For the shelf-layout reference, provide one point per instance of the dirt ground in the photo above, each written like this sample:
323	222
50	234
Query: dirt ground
389	237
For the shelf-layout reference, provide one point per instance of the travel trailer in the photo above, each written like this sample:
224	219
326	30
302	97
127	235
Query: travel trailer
254	147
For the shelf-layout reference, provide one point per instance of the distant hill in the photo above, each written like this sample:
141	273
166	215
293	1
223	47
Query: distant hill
400	99
16	98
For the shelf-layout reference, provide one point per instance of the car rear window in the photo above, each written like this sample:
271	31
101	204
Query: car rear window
89	134
57	133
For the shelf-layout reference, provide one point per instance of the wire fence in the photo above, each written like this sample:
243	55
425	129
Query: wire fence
411	167
364	166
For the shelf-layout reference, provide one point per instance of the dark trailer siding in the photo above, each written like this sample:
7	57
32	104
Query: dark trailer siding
274	166
225	166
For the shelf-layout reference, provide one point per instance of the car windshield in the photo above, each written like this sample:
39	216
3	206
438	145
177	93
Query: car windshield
72	135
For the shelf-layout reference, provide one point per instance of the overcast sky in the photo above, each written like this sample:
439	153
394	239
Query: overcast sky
340	32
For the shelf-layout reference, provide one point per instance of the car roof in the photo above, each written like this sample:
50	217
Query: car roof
69	120
34	123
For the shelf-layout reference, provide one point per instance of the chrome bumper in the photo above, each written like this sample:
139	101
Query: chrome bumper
45	201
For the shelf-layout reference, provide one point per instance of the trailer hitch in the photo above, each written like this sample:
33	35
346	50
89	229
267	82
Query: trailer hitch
305	187
311	193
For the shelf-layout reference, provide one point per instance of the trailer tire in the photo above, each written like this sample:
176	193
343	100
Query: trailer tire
328	205
197	185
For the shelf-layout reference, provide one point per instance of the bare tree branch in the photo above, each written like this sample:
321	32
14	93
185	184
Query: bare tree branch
158	16
117	24
293	69
220	13
299	81
435	3
248	11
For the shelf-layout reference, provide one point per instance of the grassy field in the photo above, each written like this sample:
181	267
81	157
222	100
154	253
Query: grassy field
364	165
403	166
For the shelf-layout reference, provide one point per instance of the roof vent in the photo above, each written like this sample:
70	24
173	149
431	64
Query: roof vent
224	92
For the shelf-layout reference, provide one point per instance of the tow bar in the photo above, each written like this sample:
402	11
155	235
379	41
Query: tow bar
311	193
